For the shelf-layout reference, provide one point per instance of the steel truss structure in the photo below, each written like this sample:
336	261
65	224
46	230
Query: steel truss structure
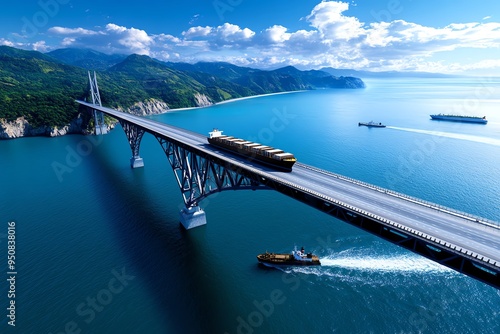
432	248
199	175
134	135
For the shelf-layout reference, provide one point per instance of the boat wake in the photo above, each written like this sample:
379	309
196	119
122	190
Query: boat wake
385	264
355	266
371	269
477	139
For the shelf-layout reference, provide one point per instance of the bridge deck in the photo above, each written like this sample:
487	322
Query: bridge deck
481	238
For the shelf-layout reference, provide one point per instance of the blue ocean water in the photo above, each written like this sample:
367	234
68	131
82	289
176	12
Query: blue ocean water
99	248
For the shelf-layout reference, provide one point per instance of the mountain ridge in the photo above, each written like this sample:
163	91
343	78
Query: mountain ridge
95	60
41	88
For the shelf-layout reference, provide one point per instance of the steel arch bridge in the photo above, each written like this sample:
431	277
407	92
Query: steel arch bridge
466	243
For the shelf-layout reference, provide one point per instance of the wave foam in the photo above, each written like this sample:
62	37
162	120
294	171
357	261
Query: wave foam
393	264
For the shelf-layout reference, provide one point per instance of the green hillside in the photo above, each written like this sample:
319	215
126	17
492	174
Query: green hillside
43	87
154	79
38	87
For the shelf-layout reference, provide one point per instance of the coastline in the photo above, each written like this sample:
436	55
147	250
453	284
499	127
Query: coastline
260	95
14	130
232	100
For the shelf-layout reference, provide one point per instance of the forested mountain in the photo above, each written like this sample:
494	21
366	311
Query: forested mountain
86	58
283	79
38	87
43	87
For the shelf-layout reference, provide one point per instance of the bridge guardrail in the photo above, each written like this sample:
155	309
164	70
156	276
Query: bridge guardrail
429	238
442	208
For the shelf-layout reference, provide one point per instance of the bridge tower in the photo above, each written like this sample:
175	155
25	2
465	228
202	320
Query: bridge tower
100	127
134	133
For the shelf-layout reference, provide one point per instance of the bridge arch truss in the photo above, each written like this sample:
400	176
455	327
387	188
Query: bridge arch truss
200	173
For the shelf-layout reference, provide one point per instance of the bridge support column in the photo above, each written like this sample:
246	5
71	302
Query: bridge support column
199	175
192	217
100	127
134	135
136	162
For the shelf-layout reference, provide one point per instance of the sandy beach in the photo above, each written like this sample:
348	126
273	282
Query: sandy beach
233	100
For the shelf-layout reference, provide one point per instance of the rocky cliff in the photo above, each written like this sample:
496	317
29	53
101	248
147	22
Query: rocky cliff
148	107
202	100
21	128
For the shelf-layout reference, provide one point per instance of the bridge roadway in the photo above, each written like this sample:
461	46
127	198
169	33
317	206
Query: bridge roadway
457	231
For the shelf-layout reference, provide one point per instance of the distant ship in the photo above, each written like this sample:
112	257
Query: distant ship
295	258
254	151
458	118
372	124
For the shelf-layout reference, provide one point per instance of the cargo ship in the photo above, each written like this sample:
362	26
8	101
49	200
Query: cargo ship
459	118
254	151
372	124
295	258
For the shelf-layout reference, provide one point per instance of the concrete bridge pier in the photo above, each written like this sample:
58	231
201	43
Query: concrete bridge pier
136	162
100	129
192	217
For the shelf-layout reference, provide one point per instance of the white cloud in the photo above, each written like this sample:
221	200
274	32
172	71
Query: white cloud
227	36
276	34
135	40
483	65
112	39
70	31
195	32
115	28
194	18
68	41
40	46
3	41
328	19
233	33
168	38
333	38
226	33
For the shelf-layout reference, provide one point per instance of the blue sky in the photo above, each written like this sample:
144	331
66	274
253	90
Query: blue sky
405	35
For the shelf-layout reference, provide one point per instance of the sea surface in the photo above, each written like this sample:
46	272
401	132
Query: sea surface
99	247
